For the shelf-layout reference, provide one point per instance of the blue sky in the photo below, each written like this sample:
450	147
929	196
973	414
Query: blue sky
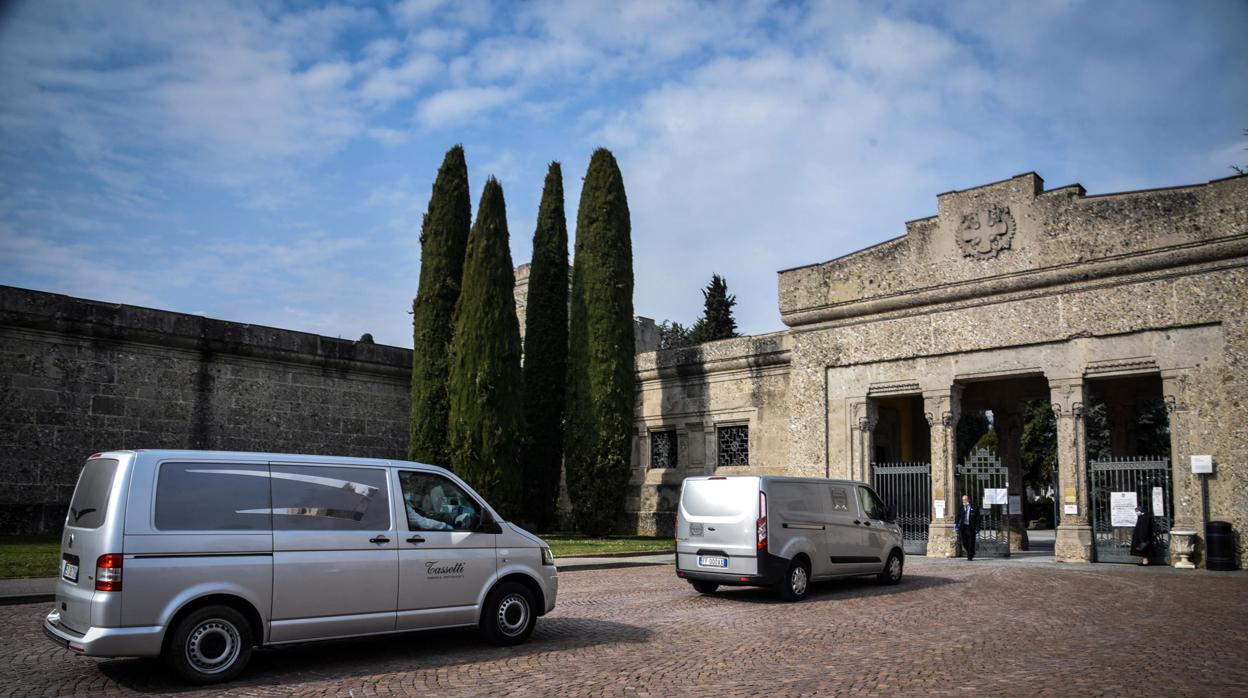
270	162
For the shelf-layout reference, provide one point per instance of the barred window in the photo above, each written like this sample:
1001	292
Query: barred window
663	449
734	445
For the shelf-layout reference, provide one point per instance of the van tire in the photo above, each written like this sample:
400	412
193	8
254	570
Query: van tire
891	574
704	587
509	615
209	645
796	582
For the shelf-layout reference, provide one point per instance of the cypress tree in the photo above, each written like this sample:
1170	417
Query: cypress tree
443	239
546	354
486	425
600	351
716	321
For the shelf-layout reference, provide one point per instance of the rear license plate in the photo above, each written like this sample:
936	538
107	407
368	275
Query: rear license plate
712	561
69	571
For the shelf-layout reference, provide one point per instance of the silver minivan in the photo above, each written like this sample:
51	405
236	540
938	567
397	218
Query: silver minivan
199	556
783	532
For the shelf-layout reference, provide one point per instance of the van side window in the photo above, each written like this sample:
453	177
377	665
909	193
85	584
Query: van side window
212	497
840	499
435	503
872	507
91	495
307	498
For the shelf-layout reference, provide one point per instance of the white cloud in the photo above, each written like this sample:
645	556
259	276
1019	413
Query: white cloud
461	104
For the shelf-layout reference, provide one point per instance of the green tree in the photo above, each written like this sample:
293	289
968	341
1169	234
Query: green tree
716	321
673	335
972	425
601	378
486	419
1038	447
546	355
443	239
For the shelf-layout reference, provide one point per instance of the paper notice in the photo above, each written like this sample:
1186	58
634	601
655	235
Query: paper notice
1159	502
1122	509
1070	509
939	506
1016	504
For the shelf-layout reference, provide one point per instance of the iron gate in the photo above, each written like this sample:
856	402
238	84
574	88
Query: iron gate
1139	481
983	470
907	488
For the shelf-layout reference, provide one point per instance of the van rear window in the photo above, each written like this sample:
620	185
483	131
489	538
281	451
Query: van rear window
729	497
91	495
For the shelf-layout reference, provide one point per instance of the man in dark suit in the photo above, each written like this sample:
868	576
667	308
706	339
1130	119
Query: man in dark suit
967	524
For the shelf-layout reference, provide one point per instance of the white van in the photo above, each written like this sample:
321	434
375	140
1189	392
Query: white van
199	556
783	532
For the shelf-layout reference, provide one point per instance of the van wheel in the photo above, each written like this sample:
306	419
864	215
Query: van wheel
508	618
796	581
892	569
210	645
705	587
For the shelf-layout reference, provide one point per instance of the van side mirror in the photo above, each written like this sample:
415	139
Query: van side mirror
890	513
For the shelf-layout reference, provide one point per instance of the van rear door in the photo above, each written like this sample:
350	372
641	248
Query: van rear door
89	534
716	521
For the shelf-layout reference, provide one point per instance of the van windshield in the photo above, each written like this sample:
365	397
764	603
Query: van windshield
91	496
729	497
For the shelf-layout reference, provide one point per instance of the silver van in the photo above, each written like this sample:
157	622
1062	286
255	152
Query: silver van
783	532
199	556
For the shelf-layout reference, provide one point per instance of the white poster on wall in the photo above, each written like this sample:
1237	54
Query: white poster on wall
1159	502
995	495
939	506
1016	504
1122	509
1070	509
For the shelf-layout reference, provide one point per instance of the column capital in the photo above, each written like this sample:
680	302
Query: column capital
1066	396
943	406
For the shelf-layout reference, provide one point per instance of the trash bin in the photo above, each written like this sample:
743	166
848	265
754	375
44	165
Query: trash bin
1219	546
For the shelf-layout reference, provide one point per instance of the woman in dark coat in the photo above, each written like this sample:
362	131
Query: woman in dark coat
1142	536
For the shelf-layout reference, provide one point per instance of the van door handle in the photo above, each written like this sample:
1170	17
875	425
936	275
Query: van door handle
379	539
866	523
857	522
415	539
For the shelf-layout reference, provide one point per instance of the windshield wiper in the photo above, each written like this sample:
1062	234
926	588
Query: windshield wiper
80	514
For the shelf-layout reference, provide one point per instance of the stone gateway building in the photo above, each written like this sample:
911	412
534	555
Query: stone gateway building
1010	294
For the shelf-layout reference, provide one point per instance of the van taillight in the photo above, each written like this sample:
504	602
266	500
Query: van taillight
762	521
108	572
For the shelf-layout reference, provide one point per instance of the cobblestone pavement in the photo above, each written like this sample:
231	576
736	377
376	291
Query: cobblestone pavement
951	626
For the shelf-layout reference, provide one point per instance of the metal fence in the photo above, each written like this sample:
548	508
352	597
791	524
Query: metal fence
907	488
981	471
1116	487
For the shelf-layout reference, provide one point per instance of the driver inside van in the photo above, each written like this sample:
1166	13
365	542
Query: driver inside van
418	520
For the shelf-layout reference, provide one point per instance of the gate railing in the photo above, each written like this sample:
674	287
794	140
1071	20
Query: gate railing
983	470
1114	481
907	488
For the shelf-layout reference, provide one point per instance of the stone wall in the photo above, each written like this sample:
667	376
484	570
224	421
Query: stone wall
79	376
693	392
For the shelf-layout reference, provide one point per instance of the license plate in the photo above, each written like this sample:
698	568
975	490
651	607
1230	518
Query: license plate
712	561
70	571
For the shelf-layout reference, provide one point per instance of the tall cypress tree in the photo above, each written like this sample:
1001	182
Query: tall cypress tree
601	378
487	424
716	321
443	239
546	354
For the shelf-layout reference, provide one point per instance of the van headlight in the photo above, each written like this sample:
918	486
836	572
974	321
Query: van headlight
548	558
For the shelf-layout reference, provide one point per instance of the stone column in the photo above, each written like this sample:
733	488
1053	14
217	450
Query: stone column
1008	423
1074	532
866	416
1189	501
942	408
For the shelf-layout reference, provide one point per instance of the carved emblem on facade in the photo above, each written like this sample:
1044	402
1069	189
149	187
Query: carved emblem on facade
984	234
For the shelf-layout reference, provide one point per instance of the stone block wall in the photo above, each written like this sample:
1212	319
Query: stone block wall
80	376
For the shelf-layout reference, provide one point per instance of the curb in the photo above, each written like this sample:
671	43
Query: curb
18	599
607	566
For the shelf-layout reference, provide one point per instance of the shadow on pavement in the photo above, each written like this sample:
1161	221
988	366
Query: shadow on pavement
288	666
837	589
